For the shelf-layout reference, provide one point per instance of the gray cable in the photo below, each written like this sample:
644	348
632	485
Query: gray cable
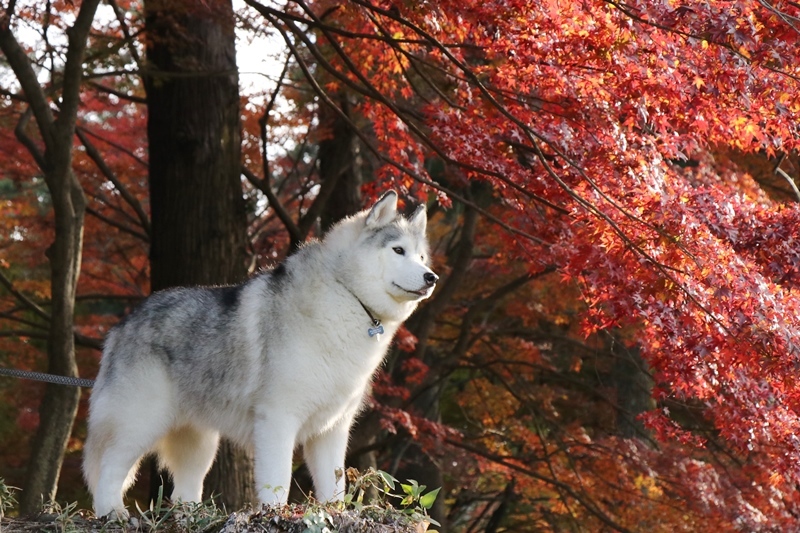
49	378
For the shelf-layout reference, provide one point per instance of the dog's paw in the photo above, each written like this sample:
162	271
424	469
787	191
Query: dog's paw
116	515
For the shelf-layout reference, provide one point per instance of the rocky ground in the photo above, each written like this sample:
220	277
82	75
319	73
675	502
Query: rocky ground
290	519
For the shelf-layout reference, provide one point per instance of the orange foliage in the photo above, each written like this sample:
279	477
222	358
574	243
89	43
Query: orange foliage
619	240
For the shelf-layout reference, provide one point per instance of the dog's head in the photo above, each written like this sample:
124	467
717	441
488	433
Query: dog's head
383	257
402	249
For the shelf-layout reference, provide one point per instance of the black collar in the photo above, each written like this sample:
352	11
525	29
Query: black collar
378	328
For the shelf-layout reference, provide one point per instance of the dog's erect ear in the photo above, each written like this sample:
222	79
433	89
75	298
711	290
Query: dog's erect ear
419	219
384	211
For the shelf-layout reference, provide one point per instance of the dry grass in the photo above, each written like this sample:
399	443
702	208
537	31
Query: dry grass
351	516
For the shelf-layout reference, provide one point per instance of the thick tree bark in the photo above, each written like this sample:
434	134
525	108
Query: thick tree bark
198	211
338	168
60	403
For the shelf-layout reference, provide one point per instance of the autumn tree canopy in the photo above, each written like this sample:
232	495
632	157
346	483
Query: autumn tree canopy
615	339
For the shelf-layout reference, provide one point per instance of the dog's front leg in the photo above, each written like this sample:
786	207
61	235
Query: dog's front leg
274	439
325	456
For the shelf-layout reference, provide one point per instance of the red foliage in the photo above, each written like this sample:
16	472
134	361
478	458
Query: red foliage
581	116
587	136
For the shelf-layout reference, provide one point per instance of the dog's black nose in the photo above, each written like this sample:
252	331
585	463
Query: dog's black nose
430	278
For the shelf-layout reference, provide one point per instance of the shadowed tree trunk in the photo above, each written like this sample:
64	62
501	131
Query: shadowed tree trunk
634	389
60	403
198	212
338	168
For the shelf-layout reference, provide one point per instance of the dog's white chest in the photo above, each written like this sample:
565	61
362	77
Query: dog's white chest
323	383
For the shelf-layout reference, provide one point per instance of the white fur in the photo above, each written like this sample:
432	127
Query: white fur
288	364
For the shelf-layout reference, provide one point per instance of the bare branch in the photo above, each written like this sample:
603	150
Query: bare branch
125	297
122	227
119	94
780	172
123	24
30	304
402	113
23	137
6	19
131	200
30	333
73	68
80	340
34	94
20	320
513	464
88	342
262	185
118	146
405	170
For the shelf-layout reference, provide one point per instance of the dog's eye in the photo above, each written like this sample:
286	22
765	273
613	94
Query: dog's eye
399	250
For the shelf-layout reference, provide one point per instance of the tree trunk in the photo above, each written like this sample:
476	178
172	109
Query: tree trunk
60	403
338	167
634	389
198	211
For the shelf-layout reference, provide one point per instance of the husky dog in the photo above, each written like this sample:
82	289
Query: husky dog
284	359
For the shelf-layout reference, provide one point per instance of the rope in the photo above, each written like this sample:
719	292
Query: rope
48	378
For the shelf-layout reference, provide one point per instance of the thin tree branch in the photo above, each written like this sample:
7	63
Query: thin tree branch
23	137
284	216
119	94
113	144
80	340
30	304
264	185
405	170
510	463
131	200
123	24
21	65
780	172
73	68
122	227
30	323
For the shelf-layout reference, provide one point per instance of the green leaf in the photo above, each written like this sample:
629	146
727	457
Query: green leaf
426	501
388	479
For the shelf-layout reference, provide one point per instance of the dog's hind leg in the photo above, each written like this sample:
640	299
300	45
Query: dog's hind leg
119	435
187	452
117	471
